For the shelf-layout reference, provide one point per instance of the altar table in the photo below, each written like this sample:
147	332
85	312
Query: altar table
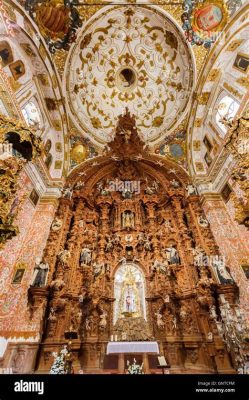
132	347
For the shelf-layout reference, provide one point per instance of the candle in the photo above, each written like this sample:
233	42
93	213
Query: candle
116	338
111	338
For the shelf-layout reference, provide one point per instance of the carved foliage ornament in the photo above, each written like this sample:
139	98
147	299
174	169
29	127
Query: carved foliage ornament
16	143
238	144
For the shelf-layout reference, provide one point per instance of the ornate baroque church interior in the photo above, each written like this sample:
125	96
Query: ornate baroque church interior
124	195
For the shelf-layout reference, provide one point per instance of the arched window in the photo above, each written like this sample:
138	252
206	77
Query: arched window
227	108
31	114
20	148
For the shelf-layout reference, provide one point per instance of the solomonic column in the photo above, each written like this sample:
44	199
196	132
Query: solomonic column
104	202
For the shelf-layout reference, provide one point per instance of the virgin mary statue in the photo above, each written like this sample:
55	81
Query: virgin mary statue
129	302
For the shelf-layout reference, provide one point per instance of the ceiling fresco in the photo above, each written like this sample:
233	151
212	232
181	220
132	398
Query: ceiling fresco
132	57
112	56
204	21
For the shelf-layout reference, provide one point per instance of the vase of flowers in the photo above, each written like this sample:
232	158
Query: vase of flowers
134	368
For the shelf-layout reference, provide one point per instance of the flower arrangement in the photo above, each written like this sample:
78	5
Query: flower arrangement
59	365
134	368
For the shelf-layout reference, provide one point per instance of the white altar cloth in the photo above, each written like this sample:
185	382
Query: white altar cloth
132	347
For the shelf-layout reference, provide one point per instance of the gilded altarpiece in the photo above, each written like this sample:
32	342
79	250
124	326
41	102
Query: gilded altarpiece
122	258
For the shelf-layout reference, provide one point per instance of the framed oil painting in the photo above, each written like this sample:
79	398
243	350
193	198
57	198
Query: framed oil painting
18	274
241	63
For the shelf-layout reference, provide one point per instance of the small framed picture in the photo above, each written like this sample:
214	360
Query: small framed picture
246	270
226	192
34	197
5	53
18	275
17	69
241	62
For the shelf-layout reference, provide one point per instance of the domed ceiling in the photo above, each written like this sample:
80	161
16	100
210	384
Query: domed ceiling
132	57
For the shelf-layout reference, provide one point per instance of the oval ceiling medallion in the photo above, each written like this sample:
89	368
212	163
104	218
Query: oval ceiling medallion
134	57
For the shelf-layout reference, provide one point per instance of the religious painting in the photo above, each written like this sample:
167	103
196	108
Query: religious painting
17	69
203	21
208	17
5	53
81	149
226	192
34	197
174	146
57	21
241	62
79	152
18	274
246	270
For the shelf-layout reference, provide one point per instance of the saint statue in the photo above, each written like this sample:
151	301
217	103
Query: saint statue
147	244
98	269
56	224
126	194
103	320
203	222
128	220
129	303
160	266
109	244
40	273
172	255
85	256
159	320
175	183
222	273
191	190
67	193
